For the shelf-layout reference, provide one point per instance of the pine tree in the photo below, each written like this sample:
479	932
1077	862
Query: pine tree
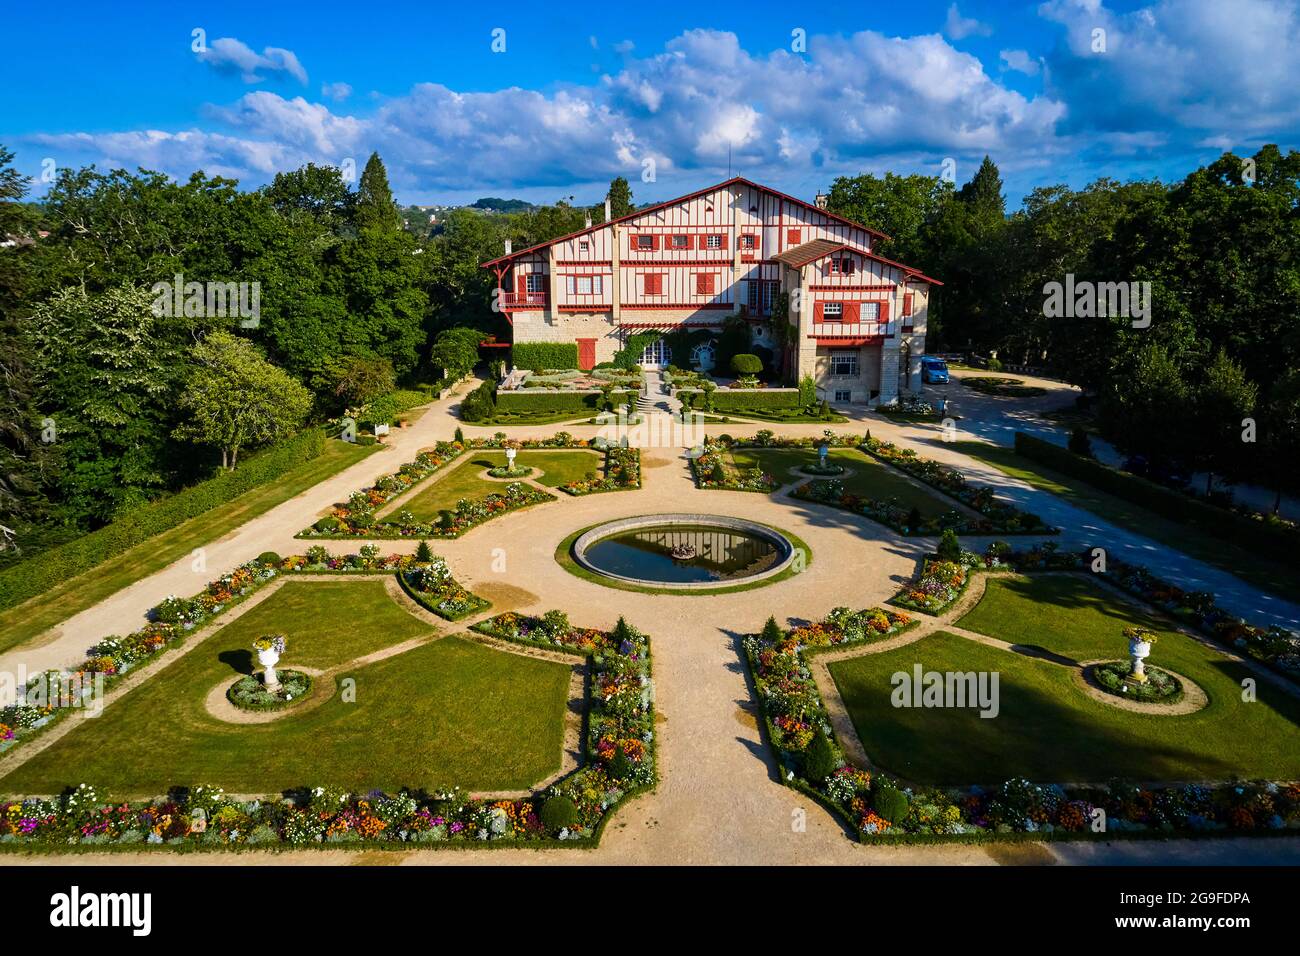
620	197
423	553
772	631
375	208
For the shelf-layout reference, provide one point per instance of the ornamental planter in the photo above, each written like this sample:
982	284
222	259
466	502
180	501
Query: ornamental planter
1138	652
268	659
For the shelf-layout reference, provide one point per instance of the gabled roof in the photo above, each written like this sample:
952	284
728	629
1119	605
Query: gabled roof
796	257
734	180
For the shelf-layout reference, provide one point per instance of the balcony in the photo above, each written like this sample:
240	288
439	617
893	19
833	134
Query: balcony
522	301
853	333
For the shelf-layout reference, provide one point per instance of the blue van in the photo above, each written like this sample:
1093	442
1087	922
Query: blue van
934	370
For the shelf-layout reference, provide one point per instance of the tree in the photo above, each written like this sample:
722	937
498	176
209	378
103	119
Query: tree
374	206
620	197
359	379
1279	441
900	206
455	351
317	192
235	399
1220	405
819	760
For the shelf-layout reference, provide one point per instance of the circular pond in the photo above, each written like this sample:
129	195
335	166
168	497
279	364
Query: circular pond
684	551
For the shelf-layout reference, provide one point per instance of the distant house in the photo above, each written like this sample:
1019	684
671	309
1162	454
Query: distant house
729	249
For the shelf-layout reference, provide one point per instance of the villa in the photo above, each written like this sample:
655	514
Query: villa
856	319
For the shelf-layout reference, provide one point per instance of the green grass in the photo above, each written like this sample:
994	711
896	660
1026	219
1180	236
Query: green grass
1047	728
1219	553
557	467
869	477
28	620
564	557
450	712
464	480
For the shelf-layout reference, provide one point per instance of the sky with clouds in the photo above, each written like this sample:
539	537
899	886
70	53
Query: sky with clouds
542	104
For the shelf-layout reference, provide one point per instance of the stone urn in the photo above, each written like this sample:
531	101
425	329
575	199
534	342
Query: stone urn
269	648
1139	649
510	457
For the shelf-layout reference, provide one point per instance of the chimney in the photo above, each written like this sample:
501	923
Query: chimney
508	247
821	200
587	222
607	216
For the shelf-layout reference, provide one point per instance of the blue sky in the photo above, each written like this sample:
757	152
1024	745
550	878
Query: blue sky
598	90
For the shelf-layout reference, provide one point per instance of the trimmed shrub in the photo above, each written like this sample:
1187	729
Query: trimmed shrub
544	355
807	391
755	398
819	760
38	574
328	524
556	402
423	553
949	546
620	768
269	559
890	803
559	813
746	363
480	404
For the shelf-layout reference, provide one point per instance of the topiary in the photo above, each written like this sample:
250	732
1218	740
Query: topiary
746	363
328	524
914	519
819	760
620	767
772	632
719	474
460	435
622	630
949	546
424	553
890	803
559	813
269	559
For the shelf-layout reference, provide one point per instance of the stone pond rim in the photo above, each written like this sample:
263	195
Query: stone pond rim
785	548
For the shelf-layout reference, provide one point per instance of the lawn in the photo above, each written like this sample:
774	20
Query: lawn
1192	541
464	480
450	712
557	467
870	478
1047	728
27	620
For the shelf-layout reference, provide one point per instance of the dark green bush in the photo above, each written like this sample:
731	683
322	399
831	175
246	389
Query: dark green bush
755	398
556	402
890	803
38	574
949	546
1080	443
746	363
480	404
423	553
620	768
328	524
772	631
269	559
544	355
559	813
819	759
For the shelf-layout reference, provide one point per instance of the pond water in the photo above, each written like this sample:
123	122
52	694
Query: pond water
720	554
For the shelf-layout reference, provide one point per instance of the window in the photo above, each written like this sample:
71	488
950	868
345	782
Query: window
843	395
832	311
870	312
584	245
760	296
585	285
645	242
713	242
654	283
748	241
843	267
844	363
681	242
533	282
705	283
792	237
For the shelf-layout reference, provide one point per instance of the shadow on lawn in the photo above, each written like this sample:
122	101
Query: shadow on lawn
240	661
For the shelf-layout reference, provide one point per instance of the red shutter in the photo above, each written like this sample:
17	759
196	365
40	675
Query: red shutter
907	304
654	243
852	311
884	311
792	236
818	312
689	243
722	239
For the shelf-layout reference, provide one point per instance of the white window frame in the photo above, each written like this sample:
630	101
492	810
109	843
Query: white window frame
645	243
679	242
869	312
832	311
851	359
528	282
843	395
713	241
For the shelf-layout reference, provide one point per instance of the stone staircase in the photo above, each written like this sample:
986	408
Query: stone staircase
654	397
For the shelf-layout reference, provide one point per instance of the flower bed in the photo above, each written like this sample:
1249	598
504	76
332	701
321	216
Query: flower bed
432	586
713	468
249	693
572	811
174	617
879	808
998	517
622	472
501	471
1160	687
936	587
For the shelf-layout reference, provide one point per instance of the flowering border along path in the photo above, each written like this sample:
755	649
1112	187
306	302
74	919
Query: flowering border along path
573	811
876	807
356	518
430	583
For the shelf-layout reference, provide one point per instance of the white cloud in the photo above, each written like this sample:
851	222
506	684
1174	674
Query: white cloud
1020	61
336	91
959	27
229	55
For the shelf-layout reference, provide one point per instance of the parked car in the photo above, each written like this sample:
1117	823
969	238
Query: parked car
934	371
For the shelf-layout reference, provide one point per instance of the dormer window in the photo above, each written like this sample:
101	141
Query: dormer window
842	267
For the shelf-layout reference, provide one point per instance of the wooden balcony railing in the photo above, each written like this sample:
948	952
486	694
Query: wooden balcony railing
518	301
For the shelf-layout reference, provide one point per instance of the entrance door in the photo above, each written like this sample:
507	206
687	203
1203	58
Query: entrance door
656	355
586	354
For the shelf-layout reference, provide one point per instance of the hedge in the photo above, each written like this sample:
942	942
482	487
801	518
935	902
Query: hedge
740	400
531	355
38	574
1276	543
553	401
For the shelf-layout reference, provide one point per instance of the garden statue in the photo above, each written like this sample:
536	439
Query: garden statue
1139	649
269	647
512	449
822	452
